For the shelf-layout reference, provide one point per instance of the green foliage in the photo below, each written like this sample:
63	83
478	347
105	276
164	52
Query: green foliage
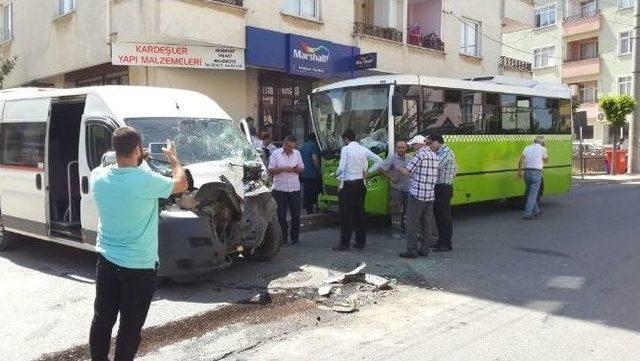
575	104
616	108
6	66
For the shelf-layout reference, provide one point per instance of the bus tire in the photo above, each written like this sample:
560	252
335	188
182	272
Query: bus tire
270	244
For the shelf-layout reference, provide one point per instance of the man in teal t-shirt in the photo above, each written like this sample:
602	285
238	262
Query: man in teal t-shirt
126	196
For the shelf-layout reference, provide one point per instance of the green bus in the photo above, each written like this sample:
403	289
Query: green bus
486	122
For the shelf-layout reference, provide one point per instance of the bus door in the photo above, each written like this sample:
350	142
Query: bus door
23	166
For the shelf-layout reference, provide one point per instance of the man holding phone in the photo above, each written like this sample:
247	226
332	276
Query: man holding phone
126	195
285	165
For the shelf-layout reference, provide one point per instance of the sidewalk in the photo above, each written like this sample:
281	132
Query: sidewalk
602	179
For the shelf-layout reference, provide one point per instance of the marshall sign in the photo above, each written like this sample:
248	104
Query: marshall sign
179	56
366	61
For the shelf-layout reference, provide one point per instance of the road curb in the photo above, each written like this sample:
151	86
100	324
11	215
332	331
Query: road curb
581	183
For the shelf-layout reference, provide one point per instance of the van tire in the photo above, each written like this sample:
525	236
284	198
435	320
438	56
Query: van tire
270	244
8	241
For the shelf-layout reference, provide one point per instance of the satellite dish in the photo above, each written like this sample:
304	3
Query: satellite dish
601	117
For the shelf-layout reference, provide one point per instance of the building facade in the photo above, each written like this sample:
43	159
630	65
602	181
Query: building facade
257	58
585	44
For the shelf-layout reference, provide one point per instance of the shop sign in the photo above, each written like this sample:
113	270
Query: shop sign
366	61
177	56
309	56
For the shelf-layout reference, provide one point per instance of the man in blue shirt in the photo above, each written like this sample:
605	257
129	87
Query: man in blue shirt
126	196
311	181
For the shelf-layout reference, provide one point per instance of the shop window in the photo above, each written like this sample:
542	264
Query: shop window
98	143
121	78
66	6
7	22
22	144
303	8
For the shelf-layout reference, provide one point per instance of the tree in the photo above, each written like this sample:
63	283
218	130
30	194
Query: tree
616	108
6	66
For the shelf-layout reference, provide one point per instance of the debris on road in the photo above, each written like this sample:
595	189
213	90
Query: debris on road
261	298
356	275
325	290
347	306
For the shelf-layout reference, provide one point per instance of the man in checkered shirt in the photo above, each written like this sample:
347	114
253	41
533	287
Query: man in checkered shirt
423	176
443	192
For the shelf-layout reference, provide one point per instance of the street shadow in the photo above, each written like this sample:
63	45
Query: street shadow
576	261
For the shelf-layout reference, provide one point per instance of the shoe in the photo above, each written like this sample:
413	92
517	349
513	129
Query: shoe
397	235
434	245
295	243
358	246
529	218
423	253
538	214
443	249
340	248
408	254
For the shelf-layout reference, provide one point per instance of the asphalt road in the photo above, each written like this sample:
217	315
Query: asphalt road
565	287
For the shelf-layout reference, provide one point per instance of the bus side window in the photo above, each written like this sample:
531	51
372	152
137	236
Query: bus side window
98	143
406	126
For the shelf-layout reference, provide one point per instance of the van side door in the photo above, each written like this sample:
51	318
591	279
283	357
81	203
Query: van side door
95	140
23	166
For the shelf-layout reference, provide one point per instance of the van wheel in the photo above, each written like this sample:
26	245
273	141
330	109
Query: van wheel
270	245
7	240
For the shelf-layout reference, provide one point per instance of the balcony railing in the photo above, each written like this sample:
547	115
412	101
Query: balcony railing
229	2
575	60
578	17
507	62
431	41
377	31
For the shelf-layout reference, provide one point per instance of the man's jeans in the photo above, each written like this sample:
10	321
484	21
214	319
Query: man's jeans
532	181
419	222
125	290
288	201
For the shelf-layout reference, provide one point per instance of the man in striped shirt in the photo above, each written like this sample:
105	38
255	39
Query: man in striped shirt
423	174
447	169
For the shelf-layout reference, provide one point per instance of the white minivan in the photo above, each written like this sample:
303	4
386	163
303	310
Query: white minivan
51	139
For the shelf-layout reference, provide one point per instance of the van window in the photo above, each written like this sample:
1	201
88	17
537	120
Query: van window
98	143
22	144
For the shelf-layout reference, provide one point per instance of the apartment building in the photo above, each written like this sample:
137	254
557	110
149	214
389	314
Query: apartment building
583	43
257	58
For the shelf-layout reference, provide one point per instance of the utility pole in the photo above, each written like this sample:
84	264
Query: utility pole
634	129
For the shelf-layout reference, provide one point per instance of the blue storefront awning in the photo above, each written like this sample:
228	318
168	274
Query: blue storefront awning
299	55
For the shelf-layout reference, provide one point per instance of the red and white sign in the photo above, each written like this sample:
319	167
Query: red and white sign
178	56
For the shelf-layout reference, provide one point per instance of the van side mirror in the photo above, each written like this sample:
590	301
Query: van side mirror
397	104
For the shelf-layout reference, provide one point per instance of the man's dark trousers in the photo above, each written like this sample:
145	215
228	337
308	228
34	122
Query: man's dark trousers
352	214
442	213
125	290
312	188
288	201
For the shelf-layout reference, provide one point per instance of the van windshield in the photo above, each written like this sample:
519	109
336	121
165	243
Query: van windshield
197	140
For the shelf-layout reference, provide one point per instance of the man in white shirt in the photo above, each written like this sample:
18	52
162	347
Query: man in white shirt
354	160
285	165
532	161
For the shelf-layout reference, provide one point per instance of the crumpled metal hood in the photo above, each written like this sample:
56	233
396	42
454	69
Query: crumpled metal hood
223	172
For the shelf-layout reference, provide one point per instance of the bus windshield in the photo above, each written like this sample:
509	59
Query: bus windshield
361	109
197	140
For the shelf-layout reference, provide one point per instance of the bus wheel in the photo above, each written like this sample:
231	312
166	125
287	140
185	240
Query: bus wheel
270	245
7	240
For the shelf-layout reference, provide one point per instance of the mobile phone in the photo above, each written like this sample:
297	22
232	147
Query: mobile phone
156	148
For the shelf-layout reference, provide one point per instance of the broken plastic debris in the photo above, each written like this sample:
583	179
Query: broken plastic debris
325	290
348	306
261	298
356	275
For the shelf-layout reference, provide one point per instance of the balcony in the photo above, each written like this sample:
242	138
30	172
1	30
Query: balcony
512	63
391	34
517	15
580	68
424	19
580	24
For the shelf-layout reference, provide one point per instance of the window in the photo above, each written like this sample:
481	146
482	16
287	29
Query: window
624	85
588	8
544	57
470	38
589	50
7	22
625	4
98	143
22	144
545	16
303	8
66	6
588	92
624	43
